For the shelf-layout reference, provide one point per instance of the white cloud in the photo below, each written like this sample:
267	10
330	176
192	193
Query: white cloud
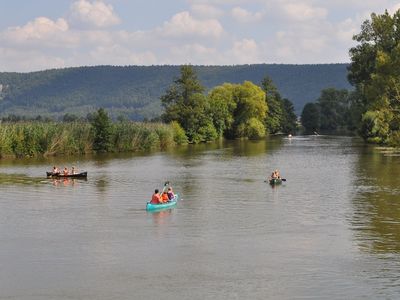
206	11
245	51
210	32
40	29
28	60
188	53
95	13
242	15
345	30
119	55
184	25
394	8
302	11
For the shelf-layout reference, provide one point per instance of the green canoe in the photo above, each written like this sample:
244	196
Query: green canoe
275	181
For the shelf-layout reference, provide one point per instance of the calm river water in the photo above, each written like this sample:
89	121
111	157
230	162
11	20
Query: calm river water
331	231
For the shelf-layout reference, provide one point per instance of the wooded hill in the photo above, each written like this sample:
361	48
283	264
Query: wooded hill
134	91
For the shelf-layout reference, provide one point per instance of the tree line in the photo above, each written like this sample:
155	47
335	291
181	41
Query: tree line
190	116
372	108
229	110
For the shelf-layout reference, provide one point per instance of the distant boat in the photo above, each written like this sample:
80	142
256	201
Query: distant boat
61	175
275	181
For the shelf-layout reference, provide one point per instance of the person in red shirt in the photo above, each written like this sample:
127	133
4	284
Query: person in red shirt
156	199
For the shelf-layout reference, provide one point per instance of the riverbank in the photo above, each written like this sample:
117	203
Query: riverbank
32	139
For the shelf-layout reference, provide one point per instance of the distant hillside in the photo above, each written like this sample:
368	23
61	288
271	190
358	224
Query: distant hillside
134	91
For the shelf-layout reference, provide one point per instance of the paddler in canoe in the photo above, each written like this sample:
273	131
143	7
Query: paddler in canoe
170	194
56	170
156	198
275	178
164	197
275	175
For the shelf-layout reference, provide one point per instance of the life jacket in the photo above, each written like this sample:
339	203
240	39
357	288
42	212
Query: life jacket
155	199
164	197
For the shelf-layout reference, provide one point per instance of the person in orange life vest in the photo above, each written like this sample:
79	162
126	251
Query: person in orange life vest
164	197
170	194
156	199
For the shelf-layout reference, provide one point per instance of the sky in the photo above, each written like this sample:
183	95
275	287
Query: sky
44	34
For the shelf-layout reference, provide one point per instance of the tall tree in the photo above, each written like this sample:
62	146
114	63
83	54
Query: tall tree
250	111
375	72
334	106
274	118
289	118
222	106
101	125
185	103
310	117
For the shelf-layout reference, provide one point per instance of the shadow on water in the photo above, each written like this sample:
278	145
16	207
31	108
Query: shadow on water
376	215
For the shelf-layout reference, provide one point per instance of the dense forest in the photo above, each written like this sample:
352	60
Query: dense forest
134	91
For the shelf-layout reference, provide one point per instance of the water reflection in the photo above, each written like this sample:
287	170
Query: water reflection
376	217
160	218
67	181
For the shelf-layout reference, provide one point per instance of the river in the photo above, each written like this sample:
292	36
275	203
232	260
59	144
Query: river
331	231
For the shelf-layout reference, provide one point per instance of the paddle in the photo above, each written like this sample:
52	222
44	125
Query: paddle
283	179
165	185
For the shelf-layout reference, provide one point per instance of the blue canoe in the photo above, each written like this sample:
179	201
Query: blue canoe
170	204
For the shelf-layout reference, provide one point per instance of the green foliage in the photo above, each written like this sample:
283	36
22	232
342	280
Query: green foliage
375	127
39	138
222	106
250	106
334	107
274	119
102	129
338	111
253	129
180	137
375	71
185	104
310	117
289	118
280	116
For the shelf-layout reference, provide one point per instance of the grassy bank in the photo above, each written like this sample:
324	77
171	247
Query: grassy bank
50	139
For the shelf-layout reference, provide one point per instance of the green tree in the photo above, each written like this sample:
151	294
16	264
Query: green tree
222	106
334	107
275	115
289	118
250	111
185	103
102	129
375	72
310	117
67	118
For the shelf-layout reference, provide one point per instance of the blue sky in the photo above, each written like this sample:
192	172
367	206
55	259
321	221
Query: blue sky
42	34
